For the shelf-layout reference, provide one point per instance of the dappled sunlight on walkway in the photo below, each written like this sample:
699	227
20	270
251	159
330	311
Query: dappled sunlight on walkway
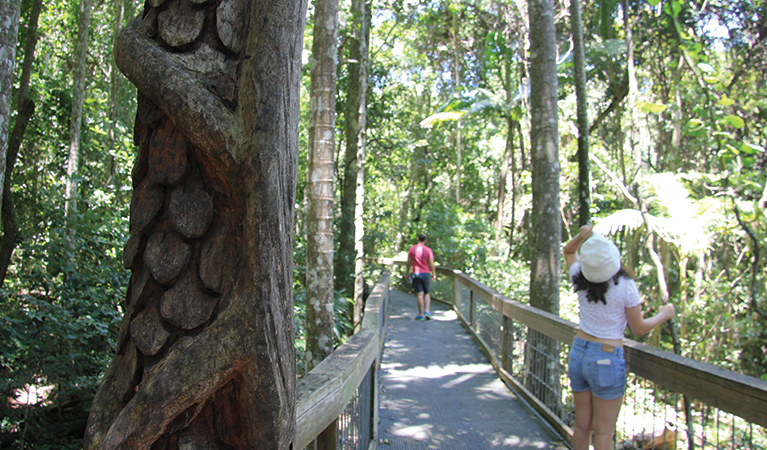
438	391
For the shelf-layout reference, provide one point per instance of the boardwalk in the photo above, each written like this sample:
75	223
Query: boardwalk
438	391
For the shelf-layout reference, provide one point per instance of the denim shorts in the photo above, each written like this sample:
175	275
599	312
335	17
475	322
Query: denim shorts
592	369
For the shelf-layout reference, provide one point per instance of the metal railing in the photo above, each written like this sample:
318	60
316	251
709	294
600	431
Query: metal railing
671	401
337	402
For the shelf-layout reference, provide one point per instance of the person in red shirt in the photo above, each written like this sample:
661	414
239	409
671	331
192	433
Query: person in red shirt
420	263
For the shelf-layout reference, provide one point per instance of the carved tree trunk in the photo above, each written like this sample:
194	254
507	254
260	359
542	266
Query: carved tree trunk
205	356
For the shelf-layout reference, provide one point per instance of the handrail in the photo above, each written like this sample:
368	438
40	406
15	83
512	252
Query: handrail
729	391
325	391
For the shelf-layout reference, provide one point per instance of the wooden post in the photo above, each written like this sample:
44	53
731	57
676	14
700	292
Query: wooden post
471	306
507	344
328	439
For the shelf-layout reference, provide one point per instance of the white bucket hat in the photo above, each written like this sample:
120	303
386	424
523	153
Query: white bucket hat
600	259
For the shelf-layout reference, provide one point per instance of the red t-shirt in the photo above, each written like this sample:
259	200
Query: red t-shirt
419	256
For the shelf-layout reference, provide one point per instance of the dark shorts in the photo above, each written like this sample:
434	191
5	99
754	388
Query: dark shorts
421	282
592	369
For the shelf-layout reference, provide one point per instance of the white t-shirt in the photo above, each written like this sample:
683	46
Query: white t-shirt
607	321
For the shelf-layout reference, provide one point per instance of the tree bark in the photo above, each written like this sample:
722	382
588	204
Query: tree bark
10	10
545	230
579	69
115	81
78	98
320	190
359	224
25	110
354	127
205	355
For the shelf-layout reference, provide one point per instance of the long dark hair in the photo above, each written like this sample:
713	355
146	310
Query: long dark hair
595	292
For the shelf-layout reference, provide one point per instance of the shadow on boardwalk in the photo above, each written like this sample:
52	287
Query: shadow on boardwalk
438	391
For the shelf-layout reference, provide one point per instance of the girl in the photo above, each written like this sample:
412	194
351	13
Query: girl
608	299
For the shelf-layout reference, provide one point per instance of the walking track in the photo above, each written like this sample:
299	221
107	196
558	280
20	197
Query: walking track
439	391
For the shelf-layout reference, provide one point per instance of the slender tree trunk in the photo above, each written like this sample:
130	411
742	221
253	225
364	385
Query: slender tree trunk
503	174
10	11
579	58
25	110
319	186
544	135
115	81
205	357
354	131
78	98
459	125
359	224
545	230
407	199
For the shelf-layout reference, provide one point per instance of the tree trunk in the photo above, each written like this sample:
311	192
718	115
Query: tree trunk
359	224
10	11
354	128
457	88
78	98
319	185
545	230
407	199
115	81
579	69
25	110
205	355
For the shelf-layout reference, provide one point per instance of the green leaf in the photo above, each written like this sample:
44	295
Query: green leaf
653	2
710	80
441	117
750	149
647	107
676	8
726	101
733	121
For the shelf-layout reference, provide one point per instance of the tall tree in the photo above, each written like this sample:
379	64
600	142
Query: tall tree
115	80
9	28
545	227
319	184
545	231
78	98
579	69
205	356
25	110
350	250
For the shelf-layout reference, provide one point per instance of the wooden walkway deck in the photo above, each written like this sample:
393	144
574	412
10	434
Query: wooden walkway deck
438	391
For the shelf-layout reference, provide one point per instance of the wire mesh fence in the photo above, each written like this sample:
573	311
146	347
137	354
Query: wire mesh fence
355	424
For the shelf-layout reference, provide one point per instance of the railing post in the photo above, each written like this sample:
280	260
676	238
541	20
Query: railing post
374	407
507	345
471	307
328	439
